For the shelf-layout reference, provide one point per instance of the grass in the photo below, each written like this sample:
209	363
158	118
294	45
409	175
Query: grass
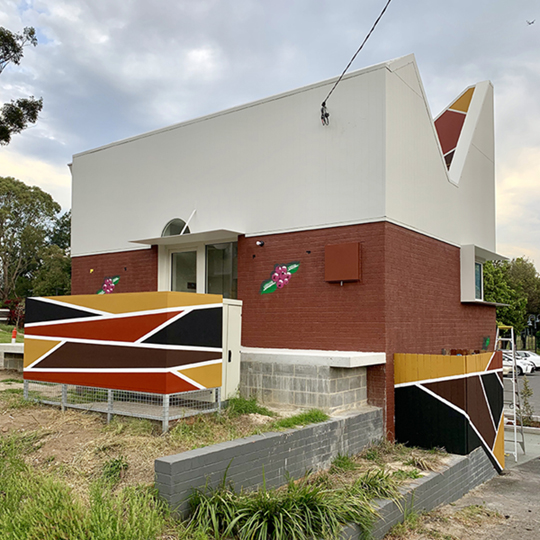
312	416
6	331
115	468
239	405
9	381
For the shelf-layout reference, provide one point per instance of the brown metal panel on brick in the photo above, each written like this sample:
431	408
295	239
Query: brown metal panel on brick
342	262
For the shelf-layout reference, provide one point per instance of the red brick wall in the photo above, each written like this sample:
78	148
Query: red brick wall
309	313
407	301
137	270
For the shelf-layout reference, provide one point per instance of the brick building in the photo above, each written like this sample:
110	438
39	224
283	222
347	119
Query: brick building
383	219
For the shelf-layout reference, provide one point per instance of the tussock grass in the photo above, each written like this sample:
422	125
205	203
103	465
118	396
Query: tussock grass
312	416
239	405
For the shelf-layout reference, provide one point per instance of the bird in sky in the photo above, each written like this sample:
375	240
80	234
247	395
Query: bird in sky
530	22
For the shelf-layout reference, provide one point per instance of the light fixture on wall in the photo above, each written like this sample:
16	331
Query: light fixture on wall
260	243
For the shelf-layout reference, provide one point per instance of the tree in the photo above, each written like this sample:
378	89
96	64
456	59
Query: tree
17	114
522	276
53	277
27	221
498	288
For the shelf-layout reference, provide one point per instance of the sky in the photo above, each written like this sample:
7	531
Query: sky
111	69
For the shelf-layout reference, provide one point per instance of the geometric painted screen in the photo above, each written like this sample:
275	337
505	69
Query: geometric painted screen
455	402
158	342
450	123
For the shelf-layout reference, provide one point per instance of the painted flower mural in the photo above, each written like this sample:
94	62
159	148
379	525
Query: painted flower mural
281	275
109	284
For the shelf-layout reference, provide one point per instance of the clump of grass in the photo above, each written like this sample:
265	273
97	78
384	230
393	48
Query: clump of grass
313	416
114	469
476	514
9	381
131	426
240	405
301	510
343	463
376	484
401	475
36	506
423	463
12	391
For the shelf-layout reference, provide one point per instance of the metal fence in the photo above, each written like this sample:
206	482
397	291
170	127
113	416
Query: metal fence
162	407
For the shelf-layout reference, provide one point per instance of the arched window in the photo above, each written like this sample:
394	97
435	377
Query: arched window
174	227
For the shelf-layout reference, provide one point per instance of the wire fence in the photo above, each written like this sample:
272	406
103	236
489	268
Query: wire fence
162	407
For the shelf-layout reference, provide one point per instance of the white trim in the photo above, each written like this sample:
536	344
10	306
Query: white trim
190	381
64	304
123	370
127	344
112	316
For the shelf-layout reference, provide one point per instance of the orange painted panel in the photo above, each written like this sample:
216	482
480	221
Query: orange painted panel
129	302
36	348
157	383
128	329
462	102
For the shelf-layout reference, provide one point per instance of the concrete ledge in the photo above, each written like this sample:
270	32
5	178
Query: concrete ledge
462	474
338	359
13	348
269	455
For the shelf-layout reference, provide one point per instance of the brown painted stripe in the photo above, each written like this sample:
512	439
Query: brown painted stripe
86	355
453	391
478	410
448	127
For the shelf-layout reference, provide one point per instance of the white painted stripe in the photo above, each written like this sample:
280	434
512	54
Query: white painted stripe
109	316
127	344
190	381
487	403
449	378
164	325
68	305
460	411
55	348
121	370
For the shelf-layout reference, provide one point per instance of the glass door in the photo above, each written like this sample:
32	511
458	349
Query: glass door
184	271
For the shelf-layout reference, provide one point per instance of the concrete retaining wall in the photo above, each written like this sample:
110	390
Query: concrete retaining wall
334	381
294	452
463	474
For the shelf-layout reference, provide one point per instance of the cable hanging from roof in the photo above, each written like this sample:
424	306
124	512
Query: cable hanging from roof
325	115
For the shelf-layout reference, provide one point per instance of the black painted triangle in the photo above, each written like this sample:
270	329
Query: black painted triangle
39	311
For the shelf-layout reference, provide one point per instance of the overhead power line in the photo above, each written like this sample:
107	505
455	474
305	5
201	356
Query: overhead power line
324	113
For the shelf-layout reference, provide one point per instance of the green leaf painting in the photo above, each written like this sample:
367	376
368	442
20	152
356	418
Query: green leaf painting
280	277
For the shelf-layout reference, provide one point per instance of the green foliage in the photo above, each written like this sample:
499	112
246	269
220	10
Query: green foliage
313	416
37	507
527	408
301	511
239	405
343	463
27	217
53	277
498	288
17	114
401	475
115	468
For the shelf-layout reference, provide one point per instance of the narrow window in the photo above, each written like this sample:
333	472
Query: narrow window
184	271
222	269
478	281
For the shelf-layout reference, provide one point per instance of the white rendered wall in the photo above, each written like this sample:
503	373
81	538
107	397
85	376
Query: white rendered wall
420	193
269	166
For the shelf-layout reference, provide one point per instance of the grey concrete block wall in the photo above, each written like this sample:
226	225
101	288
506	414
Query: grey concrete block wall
332	389
463	474
292	452
12	356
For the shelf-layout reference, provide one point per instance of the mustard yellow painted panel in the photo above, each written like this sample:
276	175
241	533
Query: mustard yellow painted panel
208	376
498	447
477	362
36	348
421	367
130	302
462	102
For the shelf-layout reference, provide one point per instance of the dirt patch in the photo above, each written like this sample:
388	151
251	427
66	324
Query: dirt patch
76	444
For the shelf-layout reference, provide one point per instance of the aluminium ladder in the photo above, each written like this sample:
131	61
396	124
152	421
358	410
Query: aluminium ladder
512	398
